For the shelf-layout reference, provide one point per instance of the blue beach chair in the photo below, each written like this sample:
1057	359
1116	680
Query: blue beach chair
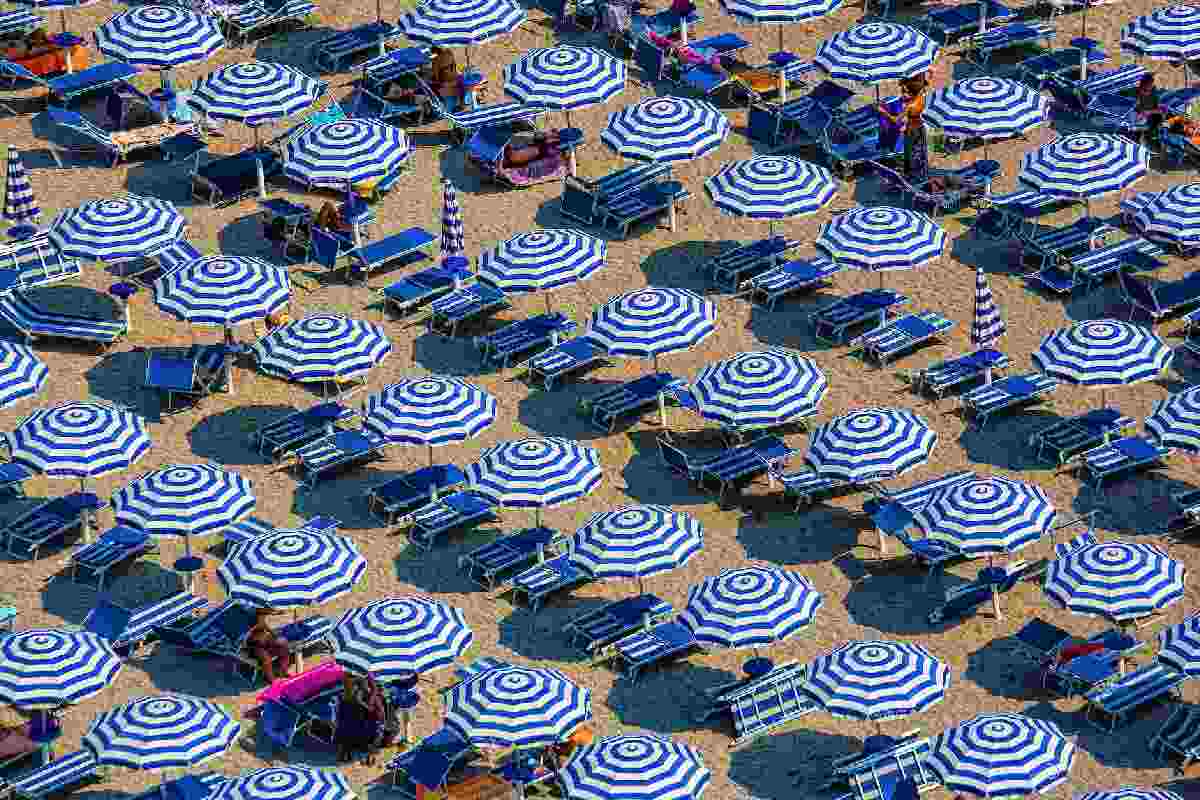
901	335
34	262
112	548
1163	299
59	775
35	323
31	531
1110	705
522	336
806	484
831	322
1071	436
127	629
333	53
490	564
554	575
1117	457
448	312
65	89
727	269
1005	394
419	288
408	246
429	763
586	200
593	630
460	509
943	376
563	359
282	437
258	15
13	477
799	275
336	452
404	492
653	645
759	705
605	408
961	602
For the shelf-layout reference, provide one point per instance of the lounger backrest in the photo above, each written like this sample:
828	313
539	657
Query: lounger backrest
917	496
326	248
37	262
81	125
15	72
649	59
107	620
673	457
175	255
1137	291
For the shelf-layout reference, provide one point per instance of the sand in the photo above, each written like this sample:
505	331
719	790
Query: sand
830	544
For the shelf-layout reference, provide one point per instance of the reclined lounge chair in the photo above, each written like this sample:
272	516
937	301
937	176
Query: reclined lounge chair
903	334
334	53
1090	269
896	772
586	200
21	21
60	775
13	476
799	275
607	407
945	22
28	533
405	492
448	312
258	15
650	201
653	645
522	336
163	263
1007	393
961	602
407	247
1071	436
33	262
592	630
335	452
980	47
285	436
538	582
943	376
1117	457
759	705
456	510
35	323
1161	300
1110	705
127	629
1063	61
831	322
490	564
65	89
734	464
426	766
853	139
415	290
465	122
379	72
799	121
561	360
1178	740
728	268
112	548
190	375
226	180
806	484
116	146
1051	246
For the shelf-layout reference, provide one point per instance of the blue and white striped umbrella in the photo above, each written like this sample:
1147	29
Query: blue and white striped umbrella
876	51
22	373
44	668
165	731
452	221
636	541
987	326
1179	646
1171	33
750	607
877	680
517	707
999	756
1081	166
759	389
79	440
322	347
398	636
543	260
666	129
348	151
772	188
254	92
1130	793
881	238
298	782
565	77
159	37
118	229
20	206
461	22
646	323
432	411
1173	216
987	108
288	569
779	11
1102	353
1176	420
635	767
871	444
988	516
223	290
537	473
1120	581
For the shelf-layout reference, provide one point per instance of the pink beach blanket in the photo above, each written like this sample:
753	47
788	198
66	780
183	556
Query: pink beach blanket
304	686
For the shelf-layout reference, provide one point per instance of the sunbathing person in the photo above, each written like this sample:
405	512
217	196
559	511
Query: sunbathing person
15	735
687	55
362	717
331	219
269	649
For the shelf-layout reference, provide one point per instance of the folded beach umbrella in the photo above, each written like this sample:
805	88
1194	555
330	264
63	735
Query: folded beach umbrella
636	542
46	668
537	473
542	260
635	767
1103	353
290	569
881	238
433	411
398	636
20	206
771	188
877	680
1081	166
565	77
322	348
665	129
987	108
117	230
79	440
758	389
1171	33
461	22
517	707
1176	420
165	731
1179	646
876	51
987	326
1000	756
1120	581
871	444
290	782
159	37
346	152
1173	216
452	221
22	373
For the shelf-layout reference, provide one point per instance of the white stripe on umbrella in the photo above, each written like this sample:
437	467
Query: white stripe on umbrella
761	388
771	188
254	92
20	206
871	444
536	473
636	541
168	731
1171	33
877	680
322	347
117	230
52	667
431	411
79	440
1173	216
881	238
638	767
1121	581
346	152
565	77
1001	756
1085	165
290	569
543	260
666	129
986	107
876	51
22	373
398	636
987	326
750	607
299	782
517	707
1176	420
159	37
1103	353
461	22
646	323
452	221
223	290
988	516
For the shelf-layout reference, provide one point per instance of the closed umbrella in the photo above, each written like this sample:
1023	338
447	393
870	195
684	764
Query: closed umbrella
20	206
452	221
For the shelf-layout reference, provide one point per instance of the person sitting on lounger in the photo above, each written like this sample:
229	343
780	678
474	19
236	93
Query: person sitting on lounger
1149	106
270	650
443	77
15	735
362	717
331	219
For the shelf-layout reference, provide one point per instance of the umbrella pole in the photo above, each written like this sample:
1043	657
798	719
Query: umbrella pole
228	360
537	516
258	167
85	517
430	446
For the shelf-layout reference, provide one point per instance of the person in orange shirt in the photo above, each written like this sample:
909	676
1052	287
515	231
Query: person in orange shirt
1185	126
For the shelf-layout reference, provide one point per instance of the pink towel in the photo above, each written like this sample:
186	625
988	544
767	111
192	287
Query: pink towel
304	686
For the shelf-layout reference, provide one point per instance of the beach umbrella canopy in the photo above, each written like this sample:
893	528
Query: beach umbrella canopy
881	238
876	51
536	472
452	221
289	569
254	92
42	668
565	77
1000	756
666	129
1120	581
1179	646
79	440
517	707
877	680
166	731
461	22
223	290
1171	33
1103	353
1176	420
346	152
986	107
20	206
871	444
1173	216
635	767
298	782
159	37
636	541
780	12
761	388
542	260
322	347
22	373
987	326
398	636
433	411
118	229
771	188
750	607
1130	793
988	516
1081	166
646	323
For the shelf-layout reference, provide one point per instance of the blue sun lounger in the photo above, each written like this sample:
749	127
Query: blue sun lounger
1090	269
1071	436
465	122
379	71
185	787
126	629
562	359
335	452
258	15
1163	299
19	21
949	21
13	477
52	519
800	121
800	275
632	397
410	246
66	88
449	311
943	376
1178	740
113	146
831	322
522	336
1008	393
1063	61
59	775
115	546
903	334
428	763
226	180
163	262
656	644
35	323
1110	705
491	563
759	705
412	489
727	269
1014	214
175	376
855	138
334	53
980	47
1118	457
912	499
586	200
897	772
593	630
415	290
806	484
1051	246
962	601
34	262
649	201
1103	110
725	468
284	436
457	510
538	582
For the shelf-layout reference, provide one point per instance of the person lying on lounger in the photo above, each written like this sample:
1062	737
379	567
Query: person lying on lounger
269	649
687	55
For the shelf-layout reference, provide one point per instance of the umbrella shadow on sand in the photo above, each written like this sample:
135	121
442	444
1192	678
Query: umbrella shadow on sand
225	437
118	378
678	691
820	533
1004	442
1001	670
892	596
539	635
1113	751
1138	504
681	265
775	765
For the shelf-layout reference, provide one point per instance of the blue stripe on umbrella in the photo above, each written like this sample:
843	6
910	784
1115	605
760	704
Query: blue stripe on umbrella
223	290
636	541
184	500
254	92
1103	353
79	440
1000	756
988	516
1085	165
51	667
750	607
348	151
398	636
1171	33
22	373
517	707
666	129
461	22
300	782
452	221
871	444
433	411
987	326
986	107
119	229
1130	793
876	51
649	322
536	472
771	187
159	37
880	238
1117	580
876	680
1179	646
760	388
289	569
1176	420
637	767
541	260
565	77
1173	216
168	731
322	347
779	11
20	206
